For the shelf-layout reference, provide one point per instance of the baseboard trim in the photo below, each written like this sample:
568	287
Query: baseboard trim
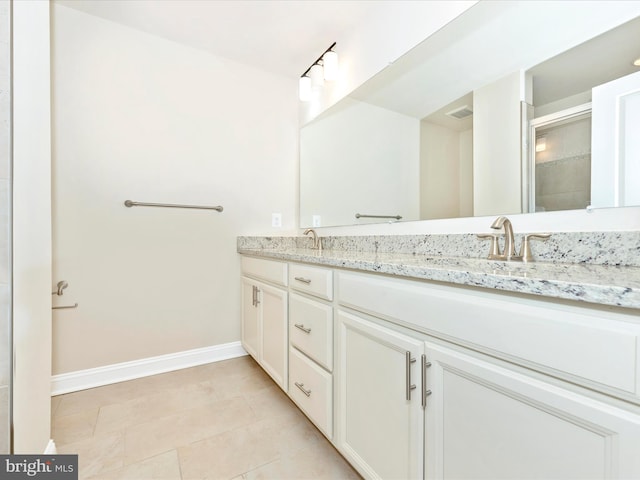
120	372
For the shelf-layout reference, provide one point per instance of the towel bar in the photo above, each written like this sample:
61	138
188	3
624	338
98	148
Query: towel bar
130	203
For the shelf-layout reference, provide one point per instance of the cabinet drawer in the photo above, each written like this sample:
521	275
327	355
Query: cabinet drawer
312	389
311	329
269	270
583	345
312	280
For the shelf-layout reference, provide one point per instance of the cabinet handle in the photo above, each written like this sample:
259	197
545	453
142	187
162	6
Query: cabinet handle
304	390
254	300
302	327
303	280
257	296
408	362
425	393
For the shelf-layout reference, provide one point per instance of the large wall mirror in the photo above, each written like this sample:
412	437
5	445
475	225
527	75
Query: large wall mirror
513	107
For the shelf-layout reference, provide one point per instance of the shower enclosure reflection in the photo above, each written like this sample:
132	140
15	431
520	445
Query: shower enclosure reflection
560	157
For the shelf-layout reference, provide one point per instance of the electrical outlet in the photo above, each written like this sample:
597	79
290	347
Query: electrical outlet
317	220
276	220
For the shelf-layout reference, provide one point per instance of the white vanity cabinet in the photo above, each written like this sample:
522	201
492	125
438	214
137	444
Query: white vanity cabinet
486	420
379	425
264	315
491	407
311	343
414	379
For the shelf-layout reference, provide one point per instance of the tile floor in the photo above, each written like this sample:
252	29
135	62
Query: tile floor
225	420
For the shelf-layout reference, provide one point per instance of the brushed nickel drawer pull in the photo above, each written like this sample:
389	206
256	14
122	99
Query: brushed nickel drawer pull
304	390
302	327
303	280
409	361
425	392
256	298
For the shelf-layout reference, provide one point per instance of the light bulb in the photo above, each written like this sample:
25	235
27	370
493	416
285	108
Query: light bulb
317	76
304	89
330	64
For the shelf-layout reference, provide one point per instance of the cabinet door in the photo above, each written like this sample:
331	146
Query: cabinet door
487	421
379	421
250	319
273	305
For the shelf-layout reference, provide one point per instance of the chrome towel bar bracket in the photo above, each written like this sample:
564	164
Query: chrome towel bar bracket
130	203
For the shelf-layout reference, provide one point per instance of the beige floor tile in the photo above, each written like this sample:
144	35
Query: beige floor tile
75	427
148	439
143	409
124	391
242	449
226	455
221	420
76	402
98	454
238	366
320	462
271	402
163	466
55	403
246	384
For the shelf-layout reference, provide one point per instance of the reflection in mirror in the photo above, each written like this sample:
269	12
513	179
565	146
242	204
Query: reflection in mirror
446	161
404	145
561	149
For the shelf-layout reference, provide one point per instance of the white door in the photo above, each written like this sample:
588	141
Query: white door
273	305
485	421
250	319
615	167
379	417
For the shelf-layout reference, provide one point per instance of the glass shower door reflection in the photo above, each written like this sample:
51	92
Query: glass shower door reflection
561	162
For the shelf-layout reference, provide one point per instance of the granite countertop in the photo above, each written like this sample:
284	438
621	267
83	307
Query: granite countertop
595	283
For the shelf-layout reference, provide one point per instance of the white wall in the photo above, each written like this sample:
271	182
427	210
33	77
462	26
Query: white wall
142	118
615	152
466	173
31	226
445	172
497	184
376	152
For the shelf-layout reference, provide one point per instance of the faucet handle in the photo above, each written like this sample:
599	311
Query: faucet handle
525	248
494	249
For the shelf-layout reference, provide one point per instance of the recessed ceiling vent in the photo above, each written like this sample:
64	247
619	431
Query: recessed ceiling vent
460	113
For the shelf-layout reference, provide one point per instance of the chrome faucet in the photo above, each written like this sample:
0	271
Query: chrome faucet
509	252
317	241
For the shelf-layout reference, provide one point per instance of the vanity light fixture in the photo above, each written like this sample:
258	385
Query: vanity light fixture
304	88
541	144
324	68
317	76
636	62
330	64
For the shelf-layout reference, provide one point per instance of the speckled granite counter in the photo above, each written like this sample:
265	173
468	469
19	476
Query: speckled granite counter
614	282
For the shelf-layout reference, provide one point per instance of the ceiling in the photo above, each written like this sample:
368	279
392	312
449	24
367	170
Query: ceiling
280	36
600	60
